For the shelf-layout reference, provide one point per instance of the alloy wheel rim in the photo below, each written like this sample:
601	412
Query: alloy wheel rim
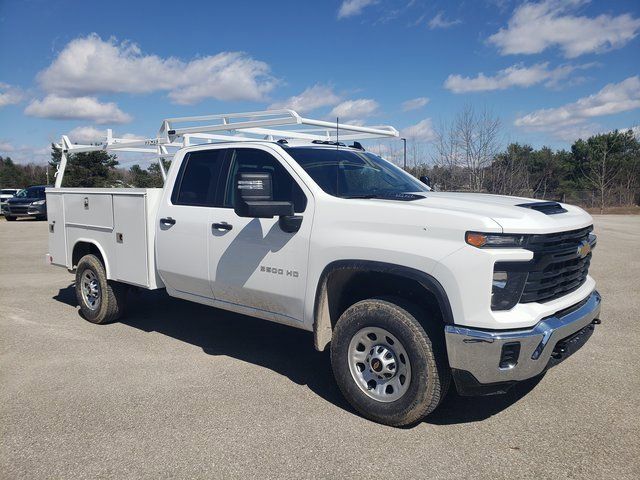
379	364
90	286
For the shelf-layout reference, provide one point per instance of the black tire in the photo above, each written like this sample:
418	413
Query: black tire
41	217
111	297
430	375
10	218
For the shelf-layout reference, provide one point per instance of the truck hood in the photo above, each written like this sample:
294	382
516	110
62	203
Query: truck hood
508	212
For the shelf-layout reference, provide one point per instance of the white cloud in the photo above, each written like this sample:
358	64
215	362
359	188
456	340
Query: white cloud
534	27
571	133
9	95
422	130
91	66
613	98
6	147
570	121
24	153
312	98
355	109
515	76
440	22
80	108
414	104
351	8
89	134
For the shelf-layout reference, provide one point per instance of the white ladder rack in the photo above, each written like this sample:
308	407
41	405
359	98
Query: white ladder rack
176	133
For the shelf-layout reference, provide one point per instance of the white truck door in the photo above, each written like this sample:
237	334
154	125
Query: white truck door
256	267
183	226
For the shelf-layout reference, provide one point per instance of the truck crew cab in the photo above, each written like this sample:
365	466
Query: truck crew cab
409	288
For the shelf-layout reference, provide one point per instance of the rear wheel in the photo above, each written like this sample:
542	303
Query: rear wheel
9	218
385	363
101	300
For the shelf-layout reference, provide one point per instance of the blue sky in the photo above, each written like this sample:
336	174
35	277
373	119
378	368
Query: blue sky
552	70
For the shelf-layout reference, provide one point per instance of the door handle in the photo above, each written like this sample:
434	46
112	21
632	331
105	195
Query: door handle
221	226
168	221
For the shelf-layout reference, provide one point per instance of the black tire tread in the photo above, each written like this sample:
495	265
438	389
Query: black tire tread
437	367
113	299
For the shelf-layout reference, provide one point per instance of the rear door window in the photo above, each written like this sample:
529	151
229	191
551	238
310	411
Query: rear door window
198	179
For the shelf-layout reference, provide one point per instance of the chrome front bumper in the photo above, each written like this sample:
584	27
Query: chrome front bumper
479	352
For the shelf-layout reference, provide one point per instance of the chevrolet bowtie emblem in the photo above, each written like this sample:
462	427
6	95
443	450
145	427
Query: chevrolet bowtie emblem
584	249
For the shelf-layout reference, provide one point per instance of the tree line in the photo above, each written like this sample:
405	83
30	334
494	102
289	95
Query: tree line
466	155
599	172
87	169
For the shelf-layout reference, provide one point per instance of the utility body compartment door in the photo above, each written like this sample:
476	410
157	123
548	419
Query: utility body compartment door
131	239
93	210
57	232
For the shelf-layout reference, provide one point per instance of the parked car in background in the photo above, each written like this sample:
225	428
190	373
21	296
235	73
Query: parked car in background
6	194
30	202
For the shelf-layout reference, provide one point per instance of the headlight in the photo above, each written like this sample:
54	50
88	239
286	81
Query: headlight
38	202
488	240
507	287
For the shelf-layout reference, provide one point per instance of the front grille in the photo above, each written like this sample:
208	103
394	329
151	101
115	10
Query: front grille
18	209
557	268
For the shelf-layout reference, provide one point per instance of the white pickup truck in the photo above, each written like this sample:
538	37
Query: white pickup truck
409	287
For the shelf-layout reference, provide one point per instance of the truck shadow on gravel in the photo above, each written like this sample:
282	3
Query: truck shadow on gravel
285	350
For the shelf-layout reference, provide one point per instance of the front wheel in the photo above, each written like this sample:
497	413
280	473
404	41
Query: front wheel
9	218
101	300
386	365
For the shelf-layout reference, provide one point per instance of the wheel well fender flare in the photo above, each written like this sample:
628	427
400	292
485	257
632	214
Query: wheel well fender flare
87	241
322	322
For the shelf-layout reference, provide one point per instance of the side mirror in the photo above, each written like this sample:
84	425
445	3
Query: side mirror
254	197
426	180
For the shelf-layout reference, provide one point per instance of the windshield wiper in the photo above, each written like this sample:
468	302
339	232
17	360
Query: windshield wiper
386	196
370	195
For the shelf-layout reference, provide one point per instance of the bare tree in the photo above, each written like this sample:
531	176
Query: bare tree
469	144
600	161
447	156
477	134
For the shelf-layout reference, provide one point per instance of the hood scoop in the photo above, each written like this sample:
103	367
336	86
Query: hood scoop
548	208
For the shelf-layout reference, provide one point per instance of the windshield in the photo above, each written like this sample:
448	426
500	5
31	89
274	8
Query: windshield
9	191
31	192
355	174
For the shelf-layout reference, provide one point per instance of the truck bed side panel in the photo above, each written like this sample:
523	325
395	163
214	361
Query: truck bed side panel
118	221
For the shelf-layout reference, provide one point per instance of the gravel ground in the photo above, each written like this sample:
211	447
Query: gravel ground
178	390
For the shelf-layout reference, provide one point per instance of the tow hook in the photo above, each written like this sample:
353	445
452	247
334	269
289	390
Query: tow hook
561	349
562	346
